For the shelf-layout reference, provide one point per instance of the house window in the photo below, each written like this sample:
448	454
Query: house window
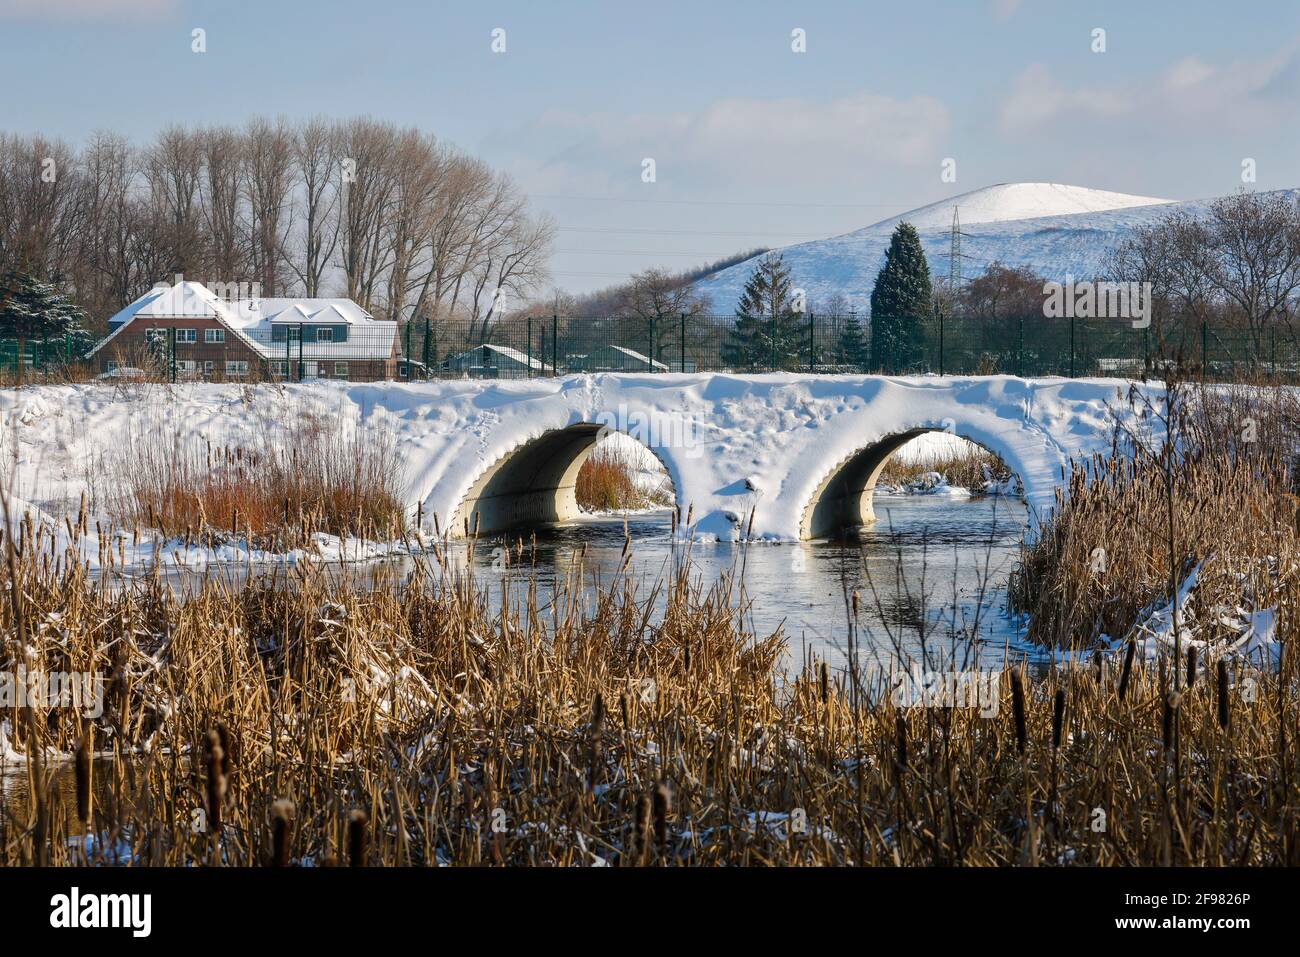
280	367
214	335
341	369
186	365
187	335
208	366
236	367
324	335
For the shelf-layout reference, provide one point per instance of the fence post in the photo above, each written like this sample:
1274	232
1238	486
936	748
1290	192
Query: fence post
1072	347
288	356
528	351
301	370
682	345
812	341
940	341
555	344
171	354
650	357
410	369
1020	347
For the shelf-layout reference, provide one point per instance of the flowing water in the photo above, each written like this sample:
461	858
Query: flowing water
930	574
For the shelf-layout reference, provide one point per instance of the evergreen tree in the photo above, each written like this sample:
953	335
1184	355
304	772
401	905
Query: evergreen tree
766	332
36	311
900	303
852	345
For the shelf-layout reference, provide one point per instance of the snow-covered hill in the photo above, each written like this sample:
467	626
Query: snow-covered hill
1053	229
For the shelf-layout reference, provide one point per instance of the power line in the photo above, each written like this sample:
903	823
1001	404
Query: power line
683	232
713	202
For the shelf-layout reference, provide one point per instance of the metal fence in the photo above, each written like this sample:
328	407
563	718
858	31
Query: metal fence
562	345
961	345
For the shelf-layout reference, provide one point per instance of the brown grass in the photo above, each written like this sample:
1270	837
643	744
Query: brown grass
400	722
971	467
606	483
1103	561
279	490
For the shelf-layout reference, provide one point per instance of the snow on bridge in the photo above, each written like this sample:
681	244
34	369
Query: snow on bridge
778	456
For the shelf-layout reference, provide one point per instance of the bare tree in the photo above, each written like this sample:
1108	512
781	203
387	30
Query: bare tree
269	178
174	170
319	170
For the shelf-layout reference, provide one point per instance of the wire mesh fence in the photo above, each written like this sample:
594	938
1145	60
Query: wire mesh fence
563	345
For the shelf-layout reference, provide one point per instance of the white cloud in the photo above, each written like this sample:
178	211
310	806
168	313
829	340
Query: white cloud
84	9
1004	9
739	141
1189	95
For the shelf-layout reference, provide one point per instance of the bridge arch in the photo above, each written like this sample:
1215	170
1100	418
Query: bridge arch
533	484
843	499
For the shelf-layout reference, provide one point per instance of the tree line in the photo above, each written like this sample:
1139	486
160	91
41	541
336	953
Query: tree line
411	228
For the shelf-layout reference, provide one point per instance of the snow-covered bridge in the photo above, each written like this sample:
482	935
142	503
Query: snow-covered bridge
769	456
773	456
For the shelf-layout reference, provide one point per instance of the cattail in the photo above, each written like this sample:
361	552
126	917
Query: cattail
1225	715
1058	717
357	838
1099	664
281	831
623	709
1018	709
1167	720
85	752
1191	666
216	783
229	748
663	800
856	599
642	828
1124	673
825	683
900	734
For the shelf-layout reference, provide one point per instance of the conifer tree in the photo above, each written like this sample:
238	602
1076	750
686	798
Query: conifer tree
900	303
766	332
35	311
852	346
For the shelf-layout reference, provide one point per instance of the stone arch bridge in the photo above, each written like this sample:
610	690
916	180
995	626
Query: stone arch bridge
777	457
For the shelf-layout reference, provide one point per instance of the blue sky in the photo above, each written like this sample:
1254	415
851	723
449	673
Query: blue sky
753	144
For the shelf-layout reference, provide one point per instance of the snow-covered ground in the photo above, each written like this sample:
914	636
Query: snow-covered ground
737	448
1057	231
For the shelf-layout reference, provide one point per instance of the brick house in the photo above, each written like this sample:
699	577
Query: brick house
208	337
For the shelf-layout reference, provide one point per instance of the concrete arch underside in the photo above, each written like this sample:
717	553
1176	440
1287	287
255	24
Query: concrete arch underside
533	485
843	501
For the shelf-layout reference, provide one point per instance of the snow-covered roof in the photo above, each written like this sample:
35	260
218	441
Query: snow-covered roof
513	354
252	320
639	357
